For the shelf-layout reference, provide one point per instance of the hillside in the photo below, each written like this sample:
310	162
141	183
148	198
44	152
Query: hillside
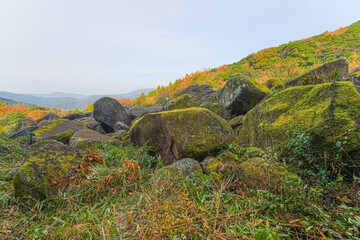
284	62
15	104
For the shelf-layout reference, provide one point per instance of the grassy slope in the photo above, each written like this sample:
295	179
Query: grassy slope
286	61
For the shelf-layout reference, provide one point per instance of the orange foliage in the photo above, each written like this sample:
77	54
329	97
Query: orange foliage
37	114
337	32
222	68
4	110
124	101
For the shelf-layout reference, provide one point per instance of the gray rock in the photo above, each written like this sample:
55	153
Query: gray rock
44	122
23	125
121	126
201	93
137	112
94	125
87	138
108	111
74	116
23	133
240	94
153	109
187	167
49	116
327	70
185	133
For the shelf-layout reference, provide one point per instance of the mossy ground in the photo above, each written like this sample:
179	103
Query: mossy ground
125	197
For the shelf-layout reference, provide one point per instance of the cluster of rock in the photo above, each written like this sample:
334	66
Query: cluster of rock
191	133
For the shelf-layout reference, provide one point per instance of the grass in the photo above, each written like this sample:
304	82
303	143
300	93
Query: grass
122	195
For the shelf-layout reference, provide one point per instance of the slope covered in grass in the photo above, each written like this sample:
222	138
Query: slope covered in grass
286	61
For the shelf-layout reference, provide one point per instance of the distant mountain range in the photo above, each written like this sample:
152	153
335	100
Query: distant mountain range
67	101
13	103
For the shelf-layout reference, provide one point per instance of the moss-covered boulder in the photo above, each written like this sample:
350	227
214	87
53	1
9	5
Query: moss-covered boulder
191	132
275	84
329	71
258	168
201	93
60	130
88	138
330	110
108	111
236	123
252	152
186	166
217	108
93	124
210	165
182	102
48	117
240	94
226	156
43	173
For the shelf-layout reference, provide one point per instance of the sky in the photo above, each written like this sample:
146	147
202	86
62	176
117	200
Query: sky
116	46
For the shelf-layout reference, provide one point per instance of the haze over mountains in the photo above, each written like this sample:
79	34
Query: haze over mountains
67	101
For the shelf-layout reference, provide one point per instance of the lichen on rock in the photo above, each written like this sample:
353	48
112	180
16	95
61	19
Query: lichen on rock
192	132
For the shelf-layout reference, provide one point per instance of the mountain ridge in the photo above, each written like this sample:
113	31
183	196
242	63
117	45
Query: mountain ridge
67	103
286	61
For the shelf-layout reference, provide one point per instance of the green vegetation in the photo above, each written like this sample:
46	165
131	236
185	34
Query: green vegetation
284	62
121	195
10	121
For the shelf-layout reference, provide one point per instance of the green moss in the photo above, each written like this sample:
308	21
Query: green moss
181	102
330	109
63	137
37	174
227	156
256	167
50	126
217	108
355	74
197	129
10	122
241	93
210	165
183	133
275	84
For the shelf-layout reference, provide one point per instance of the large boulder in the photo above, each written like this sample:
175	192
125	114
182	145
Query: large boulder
60	130
88	138
241	93
25	125
202	93
74	116
108	111
137	112
329	71
330	110
50	116
186	133
182	102
121	126
93	124
186	166
217	108
42	173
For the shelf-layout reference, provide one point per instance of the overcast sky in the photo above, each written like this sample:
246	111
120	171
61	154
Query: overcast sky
115	46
